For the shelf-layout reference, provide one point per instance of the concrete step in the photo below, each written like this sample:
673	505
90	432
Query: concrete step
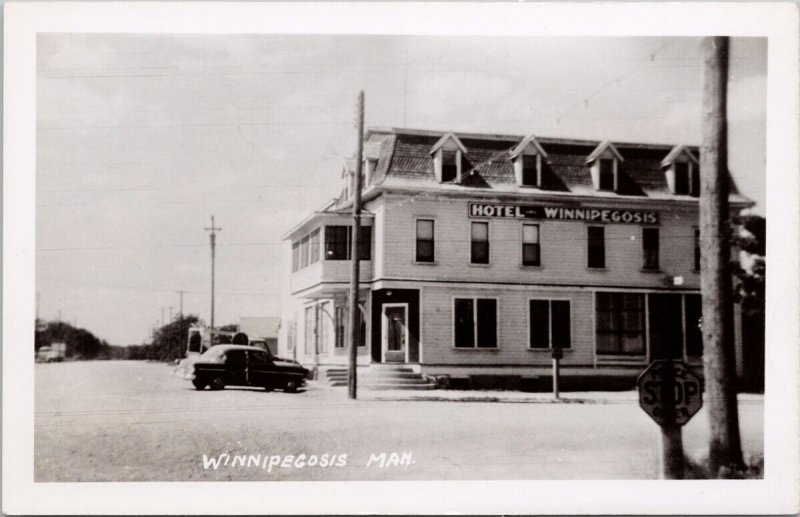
384	387
389	368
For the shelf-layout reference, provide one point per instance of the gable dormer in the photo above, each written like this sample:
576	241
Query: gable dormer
448	153
370	161
604	165
683	171
527	158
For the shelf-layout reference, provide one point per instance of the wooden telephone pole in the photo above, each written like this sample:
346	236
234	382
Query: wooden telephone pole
355	324
213	237
725	450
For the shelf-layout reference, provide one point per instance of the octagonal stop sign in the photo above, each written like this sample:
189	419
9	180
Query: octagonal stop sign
670	392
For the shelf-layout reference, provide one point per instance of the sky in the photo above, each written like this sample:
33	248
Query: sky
141	138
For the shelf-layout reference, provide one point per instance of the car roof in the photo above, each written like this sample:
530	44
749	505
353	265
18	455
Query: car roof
236	347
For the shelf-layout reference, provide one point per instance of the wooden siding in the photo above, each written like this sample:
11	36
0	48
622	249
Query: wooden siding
563	248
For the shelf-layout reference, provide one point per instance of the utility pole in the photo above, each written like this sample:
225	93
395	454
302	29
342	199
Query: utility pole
170	313
180	309
213	237
719	361
355	325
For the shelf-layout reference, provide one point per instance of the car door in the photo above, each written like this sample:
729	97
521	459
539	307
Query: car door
236	367
259	368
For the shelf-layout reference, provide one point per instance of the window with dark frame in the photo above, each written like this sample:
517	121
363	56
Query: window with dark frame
479	252
531	252
682	181
606	174
596	247
693	309
425	240
697	249
449	166
650	248
337	243
475	322
694	190
530	170
365	243
620	324
549	324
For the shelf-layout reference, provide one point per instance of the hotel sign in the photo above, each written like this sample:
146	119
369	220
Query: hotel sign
560	213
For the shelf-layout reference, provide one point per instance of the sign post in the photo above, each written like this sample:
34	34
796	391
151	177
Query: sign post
671	394
557	354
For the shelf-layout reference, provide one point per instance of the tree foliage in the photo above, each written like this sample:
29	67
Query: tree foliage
749	265
80	343
169	341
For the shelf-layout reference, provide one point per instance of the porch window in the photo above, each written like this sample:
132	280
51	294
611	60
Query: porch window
309	331
338	242
475	322
323	324
620	324
295	256
341	323
304	252
313	247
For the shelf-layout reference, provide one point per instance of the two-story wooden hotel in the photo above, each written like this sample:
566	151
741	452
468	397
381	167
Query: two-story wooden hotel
482	252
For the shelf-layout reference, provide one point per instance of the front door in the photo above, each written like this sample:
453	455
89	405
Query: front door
666	326
394	332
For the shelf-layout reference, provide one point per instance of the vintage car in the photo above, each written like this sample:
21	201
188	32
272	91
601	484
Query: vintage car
240	365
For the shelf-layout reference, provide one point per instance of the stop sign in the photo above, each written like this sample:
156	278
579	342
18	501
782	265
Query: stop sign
670	392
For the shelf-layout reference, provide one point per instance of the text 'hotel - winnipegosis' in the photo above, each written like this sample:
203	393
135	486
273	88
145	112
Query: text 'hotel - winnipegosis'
482	252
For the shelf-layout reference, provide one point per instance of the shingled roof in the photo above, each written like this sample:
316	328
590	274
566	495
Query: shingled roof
405	162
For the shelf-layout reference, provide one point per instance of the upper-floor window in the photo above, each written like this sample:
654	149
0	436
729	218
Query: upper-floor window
650	248
683	171
425	240
596	247
479	245
531	253
607	174
531	172
697	249
338	243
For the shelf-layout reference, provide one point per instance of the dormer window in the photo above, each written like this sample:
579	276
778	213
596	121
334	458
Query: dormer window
604	163
682	171
449	166
448	154
369	166
607	175
527	157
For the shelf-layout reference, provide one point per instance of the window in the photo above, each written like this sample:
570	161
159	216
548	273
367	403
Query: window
290	333
607	174
342	321
425	247
295	256
697	249
313	247
681	177
338	243
304	252
597	247
530	170
323	324
479	253
475	322
257	357
530	245
549	322
449	166
694	334
309	331
365	243
650	248
619	323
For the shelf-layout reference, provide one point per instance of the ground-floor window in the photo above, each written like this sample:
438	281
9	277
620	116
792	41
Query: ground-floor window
324	323
620	324
475	322
549	324
341	323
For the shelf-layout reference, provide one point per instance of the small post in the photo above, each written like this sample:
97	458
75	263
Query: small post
557	353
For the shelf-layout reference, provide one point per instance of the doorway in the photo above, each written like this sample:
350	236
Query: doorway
394	332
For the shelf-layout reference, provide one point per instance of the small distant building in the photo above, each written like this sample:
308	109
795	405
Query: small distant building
263	330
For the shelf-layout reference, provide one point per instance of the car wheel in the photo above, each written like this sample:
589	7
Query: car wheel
290	386
217	383
198	384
